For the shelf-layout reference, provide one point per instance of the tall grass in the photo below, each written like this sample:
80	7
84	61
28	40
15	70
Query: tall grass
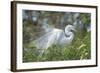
79	49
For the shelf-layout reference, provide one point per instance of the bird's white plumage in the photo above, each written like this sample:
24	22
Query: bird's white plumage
55	37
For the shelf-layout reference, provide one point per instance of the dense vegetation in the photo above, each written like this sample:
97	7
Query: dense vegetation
79	49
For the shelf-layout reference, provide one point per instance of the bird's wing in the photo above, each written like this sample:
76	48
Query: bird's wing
45	41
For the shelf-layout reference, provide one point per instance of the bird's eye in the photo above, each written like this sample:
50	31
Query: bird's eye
72	30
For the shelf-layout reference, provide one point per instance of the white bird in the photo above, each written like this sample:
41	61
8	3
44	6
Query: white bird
55	37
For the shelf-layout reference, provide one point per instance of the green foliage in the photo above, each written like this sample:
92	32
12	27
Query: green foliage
79	49
85	17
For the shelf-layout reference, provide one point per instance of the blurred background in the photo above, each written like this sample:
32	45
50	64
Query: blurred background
37	23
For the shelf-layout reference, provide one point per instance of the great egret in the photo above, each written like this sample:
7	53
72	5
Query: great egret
55	37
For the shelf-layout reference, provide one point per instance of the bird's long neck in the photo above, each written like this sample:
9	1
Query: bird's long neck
69	35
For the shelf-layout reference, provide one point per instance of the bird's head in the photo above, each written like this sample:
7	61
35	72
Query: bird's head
70	28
